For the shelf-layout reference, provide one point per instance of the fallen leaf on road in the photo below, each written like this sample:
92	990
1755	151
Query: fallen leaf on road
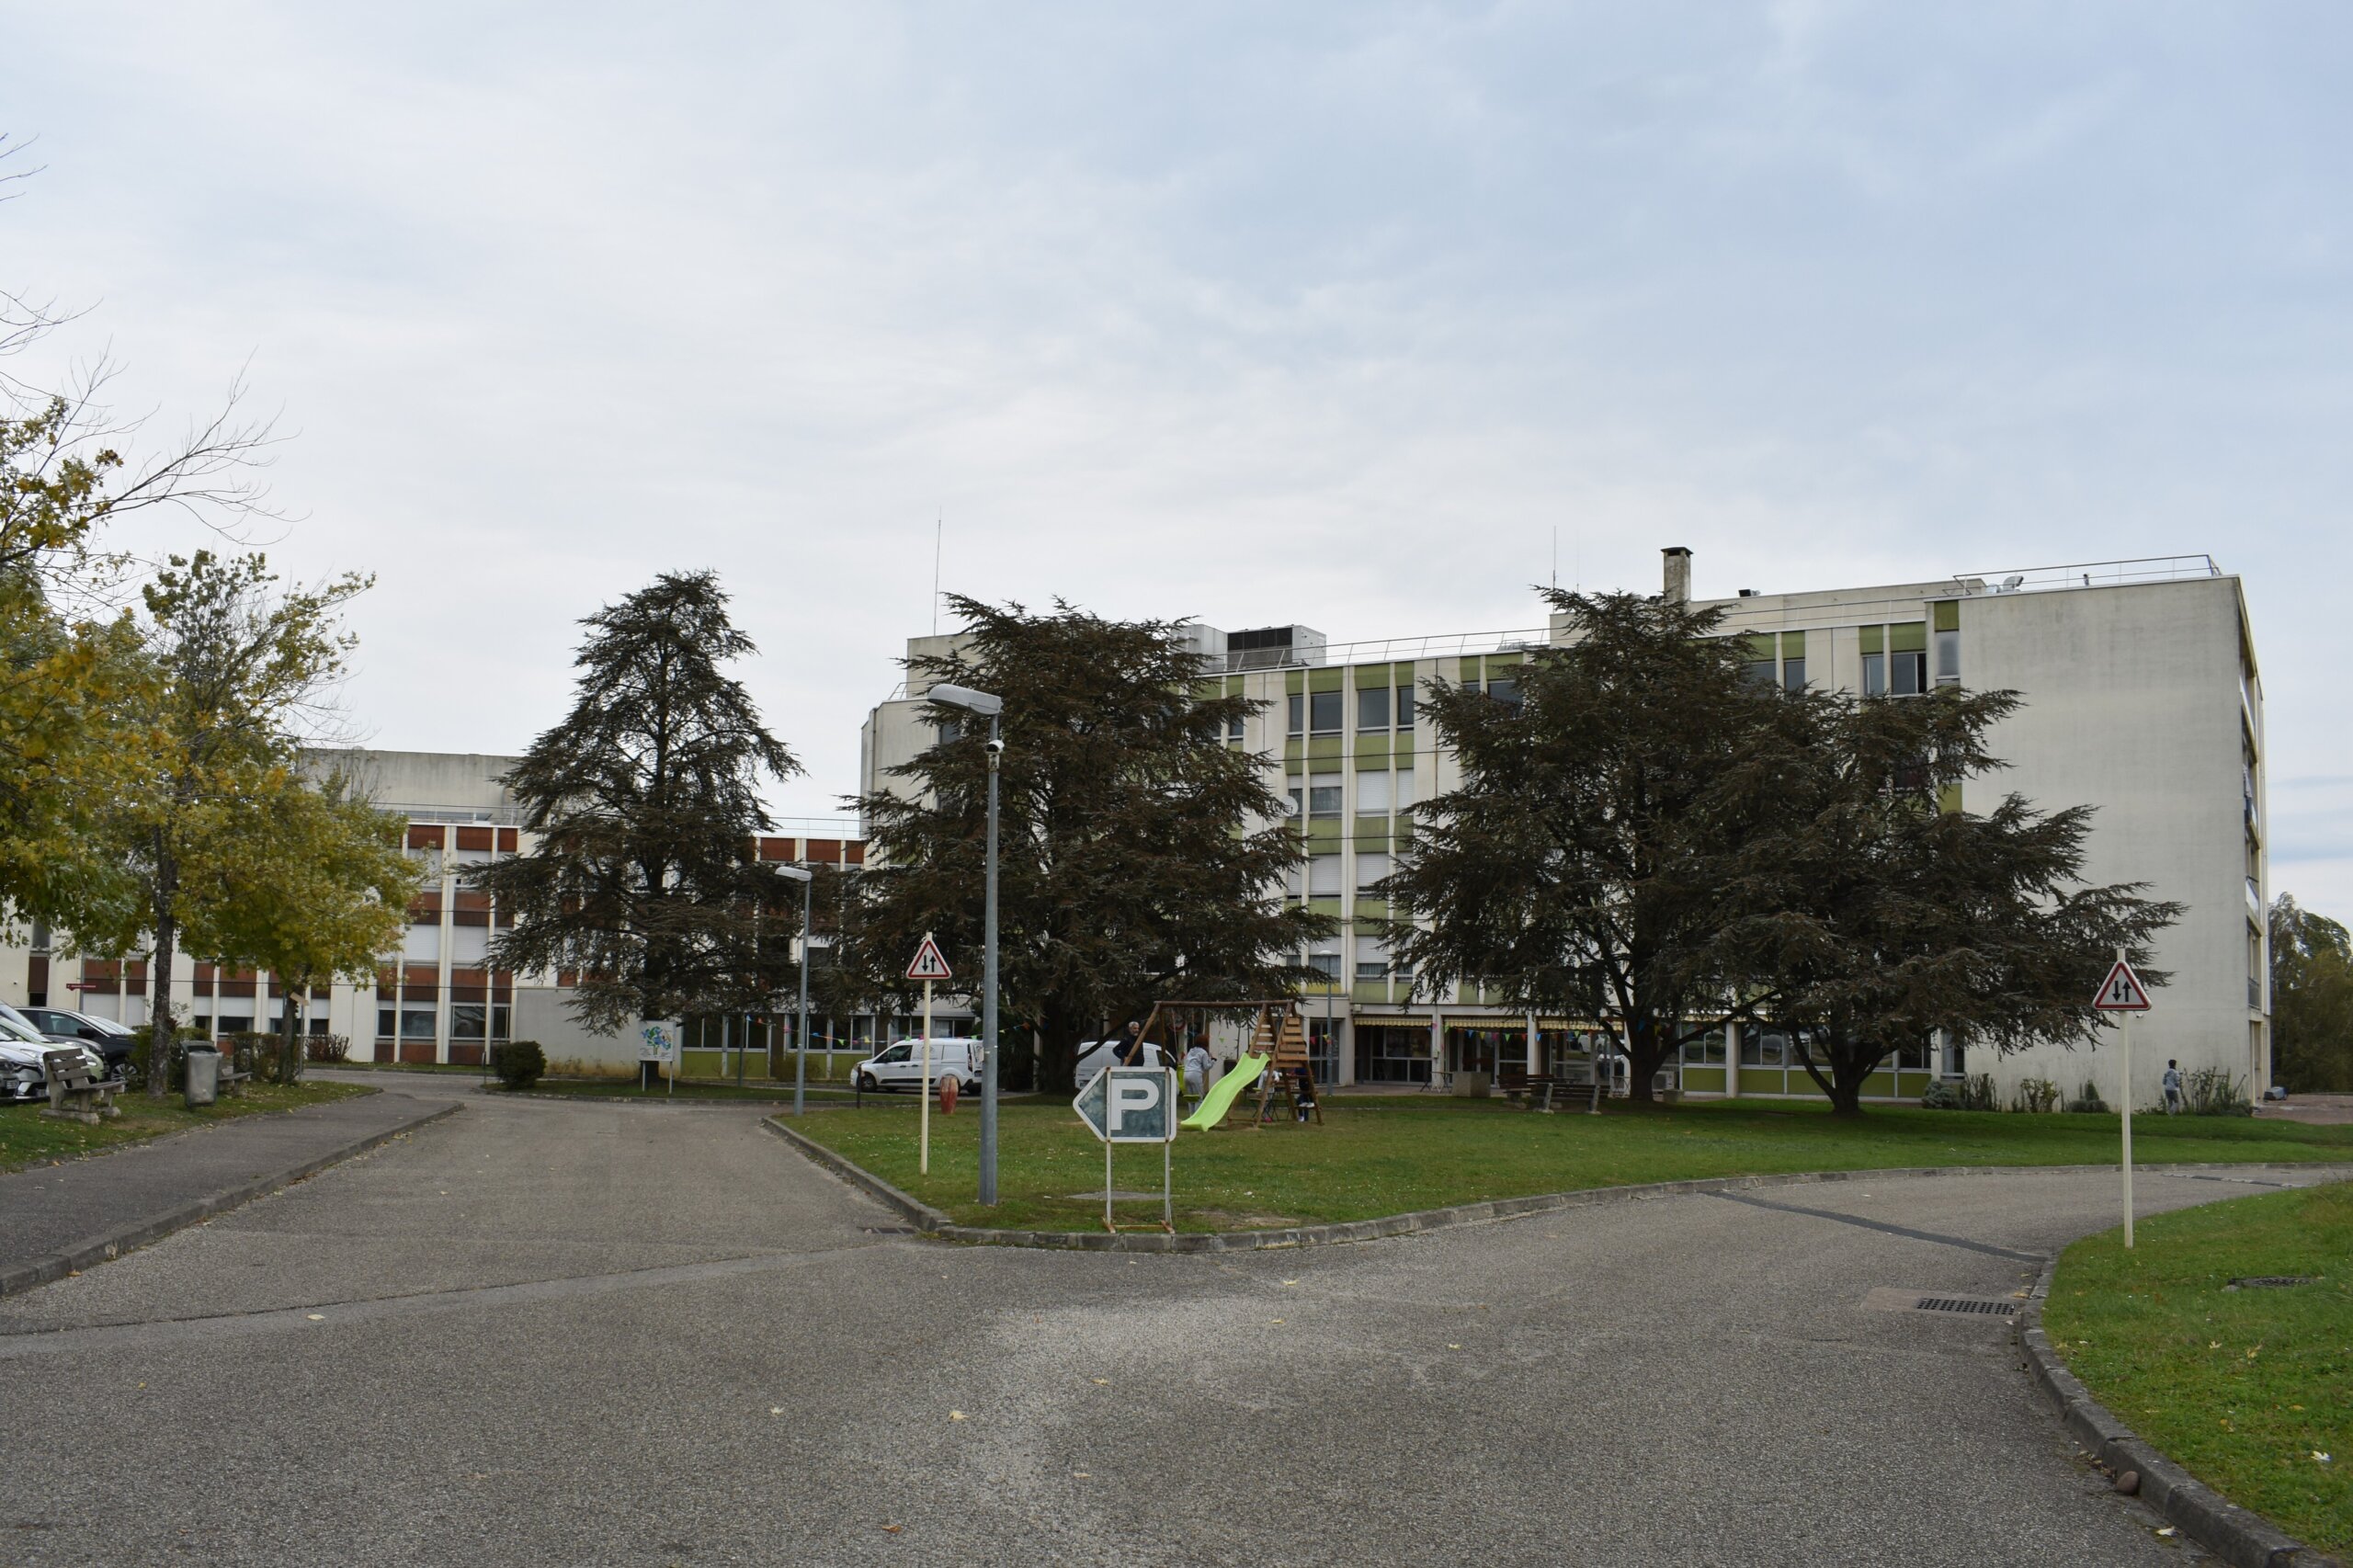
318	1317
1082	1475
893	1529
776	1410
1454	1348
1291	1281
1106	1382
955	1415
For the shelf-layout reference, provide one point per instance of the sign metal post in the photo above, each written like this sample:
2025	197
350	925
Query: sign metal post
928	965
2123	993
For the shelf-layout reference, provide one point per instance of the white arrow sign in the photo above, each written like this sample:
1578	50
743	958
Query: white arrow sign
929	963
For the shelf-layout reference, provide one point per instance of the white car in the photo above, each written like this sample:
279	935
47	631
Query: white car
1095	1055
20	1051
901	1066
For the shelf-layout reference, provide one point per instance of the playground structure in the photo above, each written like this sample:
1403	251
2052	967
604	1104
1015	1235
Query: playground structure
1274	1060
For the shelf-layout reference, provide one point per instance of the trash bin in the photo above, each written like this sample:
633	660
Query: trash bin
203	1075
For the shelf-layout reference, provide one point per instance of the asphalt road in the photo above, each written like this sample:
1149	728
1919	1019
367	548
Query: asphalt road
545	1332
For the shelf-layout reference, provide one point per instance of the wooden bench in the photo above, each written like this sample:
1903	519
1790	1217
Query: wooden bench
77	1093
1543	1089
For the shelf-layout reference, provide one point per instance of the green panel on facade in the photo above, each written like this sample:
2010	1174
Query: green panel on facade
1793	644
1372	833
1325	906
1324	748
1323	833
1948	614
1375	991
1912	1085
1372	751
1295	680
1237	686
1293	750
1879	1085
1498	663
1370	908
1949	799
1467	669
1401	750
1911	637
1703	1080
1404	673
1762	1081
1874	639
1367	676
1326	680
1761	645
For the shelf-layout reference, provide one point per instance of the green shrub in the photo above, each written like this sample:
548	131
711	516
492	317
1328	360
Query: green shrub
1942	1093
2089	1099
518	1062
2211	1091
2035	1096
327	1048
1977	1093
143	1041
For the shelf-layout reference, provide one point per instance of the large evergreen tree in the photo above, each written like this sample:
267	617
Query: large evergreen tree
1608	827
646	880
1141	857
1887	913
2312	1000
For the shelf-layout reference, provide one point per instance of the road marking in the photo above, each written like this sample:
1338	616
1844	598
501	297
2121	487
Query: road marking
1884	1229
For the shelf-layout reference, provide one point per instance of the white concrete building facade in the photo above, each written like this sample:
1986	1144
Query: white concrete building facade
2143	698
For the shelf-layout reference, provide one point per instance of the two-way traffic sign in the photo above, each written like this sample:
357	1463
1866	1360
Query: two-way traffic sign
2122	992
929	963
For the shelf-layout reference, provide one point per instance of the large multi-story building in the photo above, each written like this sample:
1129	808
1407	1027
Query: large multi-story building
2141	698
435	1000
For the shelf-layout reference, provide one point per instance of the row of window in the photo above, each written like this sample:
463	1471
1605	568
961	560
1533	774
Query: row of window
1323	876
1378	707
1379	792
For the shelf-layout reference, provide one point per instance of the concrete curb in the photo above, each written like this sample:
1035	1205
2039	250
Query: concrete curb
18	1277
2243	1538
931	1221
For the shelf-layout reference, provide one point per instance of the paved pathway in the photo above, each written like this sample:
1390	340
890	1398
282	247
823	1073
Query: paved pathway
48	1209
544	1333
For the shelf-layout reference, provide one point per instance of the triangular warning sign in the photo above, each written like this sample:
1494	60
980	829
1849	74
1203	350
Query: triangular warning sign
929	963
2122	992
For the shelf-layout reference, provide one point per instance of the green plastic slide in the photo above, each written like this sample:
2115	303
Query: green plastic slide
1220	1099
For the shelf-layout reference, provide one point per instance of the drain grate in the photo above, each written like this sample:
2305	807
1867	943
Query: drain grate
2269	1282
1964	1304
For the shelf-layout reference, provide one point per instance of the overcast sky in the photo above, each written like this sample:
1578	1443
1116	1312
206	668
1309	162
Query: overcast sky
1318	314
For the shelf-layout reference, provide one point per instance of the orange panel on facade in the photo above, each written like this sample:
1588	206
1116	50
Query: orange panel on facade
824	851
473	838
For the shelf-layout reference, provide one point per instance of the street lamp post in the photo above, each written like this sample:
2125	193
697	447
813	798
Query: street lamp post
990	707
808	881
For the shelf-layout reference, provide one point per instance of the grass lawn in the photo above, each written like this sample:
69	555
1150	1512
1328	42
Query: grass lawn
2244	1388
29	1138
689	1089
1380	1154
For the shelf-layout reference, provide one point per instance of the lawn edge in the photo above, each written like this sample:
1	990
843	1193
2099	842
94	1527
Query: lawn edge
2240	1536
933	1222
19	1277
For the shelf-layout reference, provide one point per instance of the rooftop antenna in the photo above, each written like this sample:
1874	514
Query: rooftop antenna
939	531
1556	558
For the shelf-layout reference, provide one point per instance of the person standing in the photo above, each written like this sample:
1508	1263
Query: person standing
2172	1081
1197	1072
1131	1051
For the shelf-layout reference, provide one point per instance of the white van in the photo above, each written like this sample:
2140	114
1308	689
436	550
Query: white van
1095	1055
900	1066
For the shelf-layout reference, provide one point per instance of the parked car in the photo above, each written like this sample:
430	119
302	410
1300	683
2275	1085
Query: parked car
21	1045
1095	1055
900	1066
110	1039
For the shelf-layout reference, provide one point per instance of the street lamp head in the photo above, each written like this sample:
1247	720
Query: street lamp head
986	704
796	873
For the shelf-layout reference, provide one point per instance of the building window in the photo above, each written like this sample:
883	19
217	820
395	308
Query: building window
1404	708
1913	1058
1323	712
502	1021
1324	799
1373	960
1400	789
1298	713
416	1023
1503	689
467	1020
1761	671
1234	729
1373	707
1372	794
1298	800
1295	883
1324	958
1372	865
1874	674
1323	876
1948	658
387	1020
1764	1047
1793	674
1911	673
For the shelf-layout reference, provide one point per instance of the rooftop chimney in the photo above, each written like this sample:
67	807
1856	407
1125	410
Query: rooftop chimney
1678	574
